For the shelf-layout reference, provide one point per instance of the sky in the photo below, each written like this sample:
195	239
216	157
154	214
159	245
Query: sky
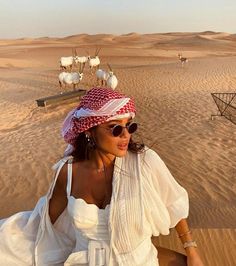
59	18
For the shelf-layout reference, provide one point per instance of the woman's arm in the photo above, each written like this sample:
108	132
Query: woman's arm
58	202
185	235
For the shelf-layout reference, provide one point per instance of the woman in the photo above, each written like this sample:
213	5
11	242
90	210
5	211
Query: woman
108	197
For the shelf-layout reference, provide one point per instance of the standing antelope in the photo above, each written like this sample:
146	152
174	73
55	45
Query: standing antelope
79	59
102	76
183	60
71	78
112	81
94	62
66	62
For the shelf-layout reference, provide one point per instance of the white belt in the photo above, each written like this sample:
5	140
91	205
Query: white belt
96	255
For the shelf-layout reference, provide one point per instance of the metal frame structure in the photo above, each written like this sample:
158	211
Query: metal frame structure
224	104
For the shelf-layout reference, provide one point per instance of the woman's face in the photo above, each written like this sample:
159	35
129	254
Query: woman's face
109	144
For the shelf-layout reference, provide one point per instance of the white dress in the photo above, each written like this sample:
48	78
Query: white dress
91	231
146	200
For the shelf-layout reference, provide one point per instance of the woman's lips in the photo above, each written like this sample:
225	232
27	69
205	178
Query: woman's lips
123	146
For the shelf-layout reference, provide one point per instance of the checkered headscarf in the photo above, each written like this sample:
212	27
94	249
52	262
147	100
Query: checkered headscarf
97	106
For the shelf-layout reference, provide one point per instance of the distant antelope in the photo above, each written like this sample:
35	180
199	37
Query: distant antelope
183	60
79	59
102	76
112	81
94	62
71	78
66	62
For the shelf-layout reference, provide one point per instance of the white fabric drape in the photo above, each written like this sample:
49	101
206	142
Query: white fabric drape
146	200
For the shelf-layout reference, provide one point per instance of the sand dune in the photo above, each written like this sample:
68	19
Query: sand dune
174	111
195	39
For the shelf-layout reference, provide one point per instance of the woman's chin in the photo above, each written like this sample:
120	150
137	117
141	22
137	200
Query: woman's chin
121	153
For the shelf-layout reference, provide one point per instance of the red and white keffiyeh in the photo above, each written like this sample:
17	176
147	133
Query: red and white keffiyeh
97	106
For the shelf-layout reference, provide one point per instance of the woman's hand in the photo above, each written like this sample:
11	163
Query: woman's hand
193	258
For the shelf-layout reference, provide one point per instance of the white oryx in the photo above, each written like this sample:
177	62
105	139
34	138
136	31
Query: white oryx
71	78
79	59
94	62
112	81
66	62
102	76
183	60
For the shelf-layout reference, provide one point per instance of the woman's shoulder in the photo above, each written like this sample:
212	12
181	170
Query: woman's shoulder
61	168
62	162
148	154
147	157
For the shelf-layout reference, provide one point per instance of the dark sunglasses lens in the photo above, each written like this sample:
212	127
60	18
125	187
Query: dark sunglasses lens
117	130
132	128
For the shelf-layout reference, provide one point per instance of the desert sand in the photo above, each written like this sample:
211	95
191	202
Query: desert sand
174	107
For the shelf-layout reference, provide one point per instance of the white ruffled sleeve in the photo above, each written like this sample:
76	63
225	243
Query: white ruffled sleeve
172	194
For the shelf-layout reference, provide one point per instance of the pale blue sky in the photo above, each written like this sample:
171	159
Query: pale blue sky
57	18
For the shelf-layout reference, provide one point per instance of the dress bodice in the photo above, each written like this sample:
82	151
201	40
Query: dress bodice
88	220
90	224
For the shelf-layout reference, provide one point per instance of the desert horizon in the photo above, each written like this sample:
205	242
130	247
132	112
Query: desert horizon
174	108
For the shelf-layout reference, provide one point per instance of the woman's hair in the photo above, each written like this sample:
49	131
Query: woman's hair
83	147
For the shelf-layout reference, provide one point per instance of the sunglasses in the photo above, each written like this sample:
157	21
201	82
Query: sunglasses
117	130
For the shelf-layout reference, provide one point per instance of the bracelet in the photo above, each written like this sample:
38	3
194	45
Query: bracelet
189	232
190	244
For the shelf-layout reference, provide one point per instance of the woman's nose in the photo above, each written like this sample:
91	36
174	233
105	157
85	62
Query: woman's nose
125	133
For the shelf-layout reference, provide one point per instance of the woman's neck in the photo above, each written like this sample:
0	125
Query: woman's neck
101	160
